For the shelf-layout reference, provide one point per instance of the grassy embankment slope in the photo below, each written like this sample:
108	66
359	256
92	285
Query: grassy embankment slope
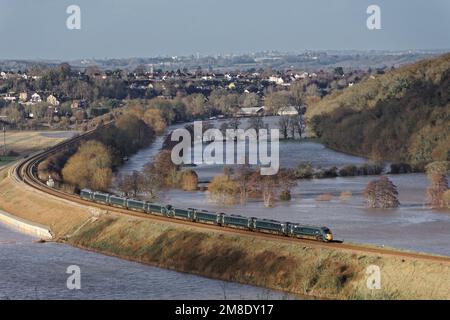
402	116
305	270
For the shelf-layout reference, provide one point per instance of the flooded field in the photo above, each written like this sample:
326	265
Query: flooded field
38	271
412	226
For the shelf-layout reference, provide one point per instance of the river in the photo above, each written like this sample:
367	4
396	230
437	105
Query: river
412	226
31	270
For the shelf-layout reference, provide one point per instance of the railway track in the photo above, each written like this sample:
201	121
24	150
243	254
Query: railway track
24	172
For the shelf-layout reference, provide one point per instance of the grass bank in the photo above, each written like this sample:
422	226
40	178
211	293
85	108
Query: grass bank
319	272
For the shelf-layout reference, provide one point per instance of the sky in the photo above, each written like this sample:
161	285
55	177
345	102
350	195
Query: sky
36	29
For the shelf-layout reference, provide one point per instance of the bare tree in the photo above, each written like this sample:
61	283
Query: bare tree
132	184
284	123
242	177
257	123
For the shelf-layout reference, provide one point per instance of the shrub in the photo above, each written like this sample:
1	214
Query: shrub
345	196
324	197
223	190
446	198
326	173
189	180
436	191
285	195
304	171
399	168
437	172
370	169
348	171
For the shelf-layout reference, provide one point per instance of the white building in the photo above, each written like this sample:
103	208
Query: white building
288	111
10	96
277	80
36	98
252	111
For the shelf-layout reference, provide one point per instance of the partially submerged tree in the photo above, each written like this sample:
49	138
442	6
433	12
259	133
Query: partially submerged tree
189	180
272	186
242	177
381	193
132	184
437	172
284	124
162	172
223	189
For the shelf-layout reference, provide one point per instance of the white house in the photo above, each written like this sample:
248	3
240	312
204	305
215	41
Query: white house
10	96
277	80
252	111
288	111
36	98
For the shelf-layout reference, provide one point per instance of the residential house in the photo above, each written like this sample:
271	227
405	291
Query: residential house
36	98
276	80
51	99
10	96
288	111
23	96
252	111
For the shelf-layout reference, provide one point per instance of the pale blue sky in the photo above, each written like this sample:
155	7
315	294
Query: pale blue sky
33	29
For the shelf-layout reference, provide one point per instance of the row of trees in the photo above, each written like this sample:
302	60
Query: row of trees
159	175
292	126
91	164
244	183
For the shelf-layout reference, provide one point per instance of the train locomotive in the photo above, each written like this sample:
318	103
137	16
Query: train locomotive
287	229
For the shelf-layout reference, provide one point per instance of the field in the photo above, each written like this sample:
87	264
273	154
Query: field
21	143
299	269
25	142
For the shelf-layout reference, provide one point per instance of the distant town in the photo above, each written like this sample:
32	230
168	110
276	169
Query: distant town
45	94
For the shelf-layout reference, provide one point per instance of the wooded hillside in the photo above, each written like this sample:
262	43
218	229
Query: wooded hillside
403	115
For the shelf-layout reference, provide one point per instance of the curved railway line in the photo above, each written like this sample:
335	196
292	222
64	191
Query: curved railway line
24	172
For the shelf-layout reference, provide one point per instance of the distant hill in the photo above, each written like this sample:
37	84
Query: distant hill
403	115
306	61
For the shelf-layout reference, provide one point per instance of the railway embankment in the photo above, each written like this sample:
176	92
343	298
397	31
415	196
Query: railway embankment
296	268
25	226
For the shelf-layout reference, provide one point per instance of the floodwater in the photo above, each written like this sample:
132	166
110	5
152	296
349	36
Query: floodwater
412	226
38	271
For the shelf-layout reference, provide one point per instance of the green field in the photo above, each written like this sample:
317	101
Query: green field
4	160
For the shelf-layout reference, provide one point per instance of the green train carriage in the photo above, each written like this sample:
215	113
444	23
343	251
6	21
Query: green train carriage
136	205
118	201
